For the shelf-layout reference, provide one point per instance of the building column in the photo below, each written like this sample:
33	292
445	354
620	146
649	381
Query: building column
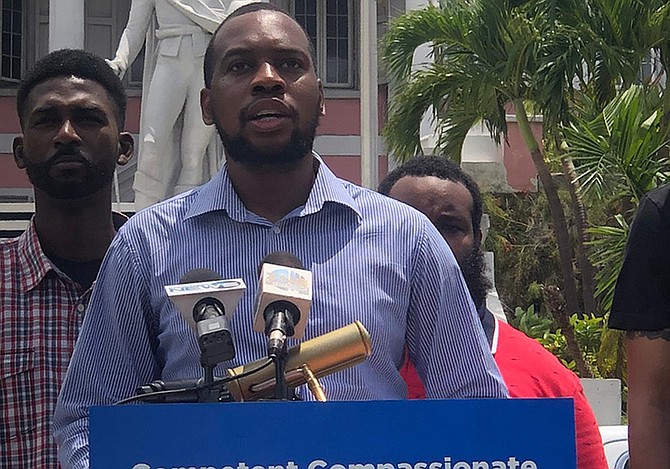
427	132
66	24
369	94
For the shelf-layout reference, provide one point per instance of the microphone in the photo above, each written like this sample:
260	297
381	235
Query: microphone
207	303
283	299
183	391
308	361
320	356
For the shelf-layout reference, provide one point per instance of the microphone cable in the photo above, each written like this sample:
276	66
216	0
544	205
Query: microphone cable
172	392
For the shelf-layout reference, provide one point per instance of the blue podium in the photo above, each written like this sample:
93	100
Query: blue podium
427	434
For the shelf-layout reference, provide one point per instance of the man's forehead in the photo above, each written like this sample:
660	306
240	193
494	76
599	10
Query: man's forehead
54	90
267	26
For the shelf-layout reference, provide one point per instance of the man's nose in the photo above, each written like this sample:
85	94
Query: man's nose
268	79
67	133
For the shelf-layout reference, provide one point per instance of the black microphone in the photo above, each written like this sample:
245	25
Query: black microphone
183	391
212	326
283	299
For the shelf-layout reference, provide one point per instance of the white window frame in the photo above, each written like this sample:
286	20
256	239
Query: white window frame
33	21
321	44
7	75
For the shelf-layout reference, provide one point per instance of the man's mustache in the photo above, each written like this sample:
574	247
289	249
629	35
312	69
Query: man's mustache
70	151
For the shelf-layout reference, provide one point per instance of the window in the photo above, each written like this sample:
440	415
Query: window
25	35
329	25
25	30
12	33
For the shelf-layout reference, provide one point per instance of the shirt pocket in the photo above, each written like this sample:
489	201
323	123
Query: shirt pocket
17	394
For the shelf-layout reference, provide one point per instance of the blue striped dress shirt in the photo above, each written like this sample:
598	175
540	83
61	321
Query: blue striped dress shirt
372	259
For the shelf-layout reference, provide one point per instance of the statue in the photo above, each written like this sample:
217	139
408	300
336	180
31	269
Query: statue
177	151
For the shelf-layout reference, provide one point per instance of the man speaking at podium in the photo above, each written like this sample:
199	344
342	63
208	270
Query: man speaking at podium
372	259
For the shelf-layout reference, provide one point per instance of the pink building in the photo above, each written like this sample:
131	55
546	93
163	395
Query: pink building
30	28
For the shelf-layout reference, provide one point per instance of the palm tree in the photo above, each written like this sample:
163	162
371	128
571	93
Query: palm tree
492	56
618	159
486	60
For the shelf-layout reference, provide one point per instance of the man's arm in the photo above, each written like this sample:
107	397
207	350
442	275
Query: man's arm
133	36
649	398
641	306
445	336
114	352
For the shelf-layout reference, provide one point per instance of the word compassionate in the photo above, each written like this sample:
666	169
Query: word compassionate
510	463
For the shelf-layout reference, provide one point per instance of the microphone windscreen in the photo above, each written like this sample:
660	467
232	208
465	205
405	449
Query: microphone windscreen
284	258
200	275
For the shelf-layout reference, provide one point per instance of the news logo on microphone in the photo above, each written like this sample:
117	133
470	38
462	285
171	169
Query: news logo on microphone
186	295
282	283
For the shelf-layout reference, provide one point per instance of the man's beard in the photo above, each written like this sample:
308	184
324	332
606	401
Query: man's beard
473	270
97	175
243	151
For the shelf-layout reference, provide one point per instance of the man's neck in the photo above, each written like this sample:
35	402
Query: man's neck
270	192
76	229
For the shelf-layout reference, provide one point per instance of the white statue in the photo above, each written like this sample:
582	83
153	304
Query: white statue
177	151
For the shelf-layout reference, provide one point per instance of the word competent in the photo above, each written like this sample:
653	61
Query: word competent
511	463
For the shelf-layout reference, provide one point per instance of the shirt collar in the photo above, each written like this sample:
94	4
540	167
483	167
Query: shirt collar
496	330
118	220
219	194
490	326
35	265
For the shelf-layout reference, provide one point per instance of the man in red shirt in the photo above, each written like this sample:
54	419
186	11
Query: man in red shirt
452	201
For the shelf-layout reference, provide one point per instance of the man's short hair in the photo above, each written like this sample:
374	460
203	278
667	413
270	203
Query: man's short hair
208	68
77	63
442	168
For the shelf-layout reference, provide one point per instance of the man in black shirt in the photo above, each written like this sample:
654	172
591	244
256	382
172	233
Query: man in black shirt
642	308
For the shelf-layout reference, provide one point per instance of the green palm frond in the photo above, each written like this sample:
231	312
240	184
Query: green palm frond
616	154
418	27
607	251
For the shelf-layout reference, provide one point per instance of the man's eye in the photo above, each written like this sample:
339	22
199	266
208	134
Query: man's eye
92	120
42	121
239	66
447	228
291	63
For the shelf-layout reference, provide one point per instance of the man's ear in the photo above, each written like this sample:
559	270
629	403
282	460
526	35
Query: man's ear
17	149
126	148
206	107
322	99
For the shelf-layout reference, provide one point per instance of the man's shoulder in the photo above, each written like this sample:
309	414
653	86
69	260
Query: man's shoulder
160	216
9	244
11	247
523	358
512	340
659	197
660	194
19	261
374	203
9	258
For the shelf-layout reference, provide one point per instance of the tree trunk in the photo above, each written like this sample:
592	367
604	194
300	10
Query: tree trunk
581	222
556	306
555	208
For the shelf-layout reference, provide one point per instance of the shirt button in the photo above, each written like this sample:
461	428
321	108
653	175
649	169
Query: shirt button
276	230
81	308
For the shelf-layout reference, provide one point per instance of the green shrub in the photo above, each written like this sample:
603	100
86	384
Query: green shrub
589	330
